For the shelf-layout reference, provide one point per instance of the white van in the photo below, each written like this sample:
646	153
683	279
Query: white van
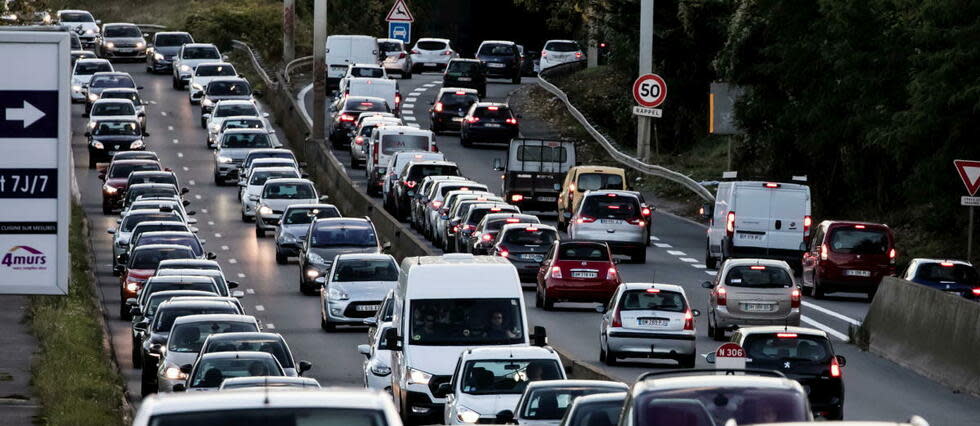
758	219
375	87
343	50
387	140
444	305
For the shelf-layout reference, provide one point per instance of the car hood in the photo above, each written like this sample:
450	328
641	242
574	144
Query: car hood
84	78
180	358
115	138
298	231
281	204
328	253
167	51
367	290
117	182
489	405
436	360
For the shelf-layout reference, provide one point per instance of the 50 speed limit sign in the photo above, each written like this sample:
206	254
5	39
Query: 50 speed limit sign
650	90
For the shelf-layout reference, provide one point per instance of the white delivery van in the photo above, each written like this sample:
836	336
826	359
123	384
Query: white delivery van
383	88
386	141
343	50
444	305
758	219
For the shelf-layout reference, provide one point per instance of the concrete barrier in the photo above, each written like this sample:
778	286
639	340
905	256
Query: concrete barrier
934	333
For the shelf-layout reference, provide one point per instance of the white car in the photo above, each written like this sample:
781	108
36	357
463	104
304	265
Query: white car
396	59
203	74
432	54
240	122
106	109
225	110
252	188
83	24
377	362
361	71
387	140
133	95
82	74
647	320
191	55
393	169
490	380
343	50
557	52
359	143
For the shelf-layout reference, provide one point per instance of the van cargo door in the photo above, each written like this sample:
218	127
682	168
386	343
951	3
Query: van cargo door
751	215
787	208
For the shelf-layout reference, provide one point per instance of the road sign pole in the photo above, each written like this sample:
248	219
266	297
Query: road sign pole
319	78
969	238
646	67
288	30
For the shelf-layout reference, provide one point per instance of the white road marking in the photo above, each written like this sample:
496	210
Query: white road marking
699	266
180	155
411	99
409	118
194	183
249	291
153	102
663	245
211	222
653	238
270	326
241	275
421	89
205	211
171	128
163	113
259	308
217	235
197	196
408	105
429	85
225	248
186	169
825	328
712	273
232	261
676	252
176	141
689	260
831	313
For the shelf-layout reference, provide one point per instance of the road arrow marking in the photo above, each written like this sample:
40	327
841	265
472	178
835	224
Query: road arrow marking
29	114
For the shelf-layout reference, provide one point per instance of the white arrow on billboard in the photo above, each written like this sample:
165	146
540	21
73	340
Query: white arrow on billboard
28	114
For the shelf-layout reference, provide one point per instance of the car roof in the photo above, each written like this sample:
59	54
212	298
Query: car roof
73	11
111	101
93	60
119	89
274	169
434	163
136	186
188	272
574	383
148	223
364	256
246	131
160	247
311	206
662	286
403	130
561	41
168	233
366	65
181	278
136	161
151	173
390	40
120	24
174	403
243	335
261	381
730	263
598	169
110	73
505	215
490	104
930	260
507	352
341	221
432	39
218	63
200	45
511	226
696	379
459	89
288	180
195	303
172	33
602	397
234	354
211	317
232	101
497	42
192	262
853	222
781	329
176	293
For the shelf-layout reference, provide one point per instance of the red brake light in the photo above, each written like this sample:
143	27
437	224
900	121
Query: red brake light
531	229
834	367
611	195
436	204
511	121
771	185
472	119
859	226
402	55
722	296
438	107
617	321
823	252
359	140
611	274
892	254
517	198
556	272
637	221
653	290
613	207
415	51
757	268
492	108
578	55
513	220
688	320
503	253
487	237
376	151
410	183
398	98
544	53
367	103
794	298
646	212
976	291
947	264
346	117
786	335
586	219
807	221
460	93
730	224
447	53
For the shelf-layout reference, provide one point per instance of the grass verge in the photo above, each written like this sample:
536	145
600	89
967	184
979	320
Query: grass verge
73	376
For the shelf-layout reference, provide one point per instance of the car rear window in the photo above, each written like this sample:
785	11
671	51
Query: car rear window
542	153
599	181
164	319
345	235
116	128
606	207
593	252
76	17
365	270
495	225
530	237
246	140
293	191
89	68
420	171
562	46
367	72
497	49
361	105
123	170
937	272
229	88
215	71
463	68
398	143
113	108
274	347
715	405
148	259
859	241
301	216
456	100
758	276
477	214
787	347
653	300
431	45
390	46
495	112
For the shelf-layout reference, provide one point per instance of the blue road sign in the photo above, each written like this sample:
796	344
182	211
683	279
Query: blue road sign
29	114
400	30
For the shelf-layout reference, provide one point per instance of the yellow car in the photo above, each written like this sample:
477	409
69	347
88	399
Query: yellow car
586	178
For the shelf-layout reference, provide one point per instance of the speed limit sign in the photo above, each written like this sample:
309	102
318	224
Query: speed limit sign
650	90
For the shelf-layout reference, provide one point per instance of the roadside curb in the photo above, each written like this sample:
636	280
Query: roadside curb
579	369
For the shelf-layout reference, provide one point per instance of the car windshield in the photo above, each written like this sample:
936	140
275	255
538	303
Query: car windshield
431	45
598	181
347	235
398	143
562	46
201	53
152	191
229	88
532	237
123	31
550	403
280	153
156	287
274	347
497	113
948	272
184	240
593	252
242	124
157	299
611	207
131	96
445	189
289	191
260	176
130	221
116	128
420	171
711	405
150	258
496	49
215	71
89	68
596	413
190	337
211	372
466	322
765	350
455	100
236	109
369	72
348	270
153	178
390	46
246	140
163	321
112	81
653	300
464	68
76	17
758	276
302	216
169	40
493	377
361	105
113	108
121	170
293	416
859	241
476	214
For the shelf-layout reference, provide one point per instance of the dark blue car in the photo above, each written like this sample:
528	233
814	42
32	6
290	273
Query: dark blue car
952	276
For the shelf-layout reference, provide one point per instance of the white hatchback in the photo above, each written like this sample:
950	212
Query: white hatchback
557	52
432	54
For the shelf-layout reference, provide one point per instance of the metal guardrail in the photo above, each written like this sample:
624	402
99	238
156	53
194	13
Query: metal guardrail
616	154
296	63
255	62
153	26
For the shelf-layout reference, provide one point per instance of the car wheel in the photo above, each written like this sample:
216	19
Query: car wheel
136	354
124	312
719	334
245	218
173	82
326	325
204	123
687	361
709	261
538	303
149	69
281	258
106	209
465	140
611	358
217	179
602	354
148	383
516	79
546	303
91	161
259	232
407	75
804	288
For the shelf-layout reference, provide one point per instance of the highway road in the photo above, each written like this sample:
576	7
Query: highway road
876	388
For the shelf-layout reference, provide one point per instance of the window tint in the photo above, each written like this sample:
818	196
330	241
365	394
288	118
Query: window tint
758	277
390	46
236	109
369	72
453	100
642	300
89	68
859	241
190	337
466	322
420	171
259	176
113	108
76	17
123	31
242	124
246	140
542	153
606	207
464	68
551	403
494	112
562	46
123	170
116	128
164	320
148	259
273	417
301	216
201	53
347	235
229	88
215	71
397	143
211	372
507	376
189	241
274	347
289	191
598	181
597	413
365	270
706	405
165	40
593	252
431	45
112	81
962	274
493	49
530	237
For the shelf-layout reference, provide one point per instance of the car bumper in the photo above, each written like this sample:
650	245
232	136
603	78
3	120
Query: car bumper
227	170
421	406
725	319
651	344
534	202
507	71
350	311
248	208
575	291
526	270
267	222
162	65
793	257
128	53
446	121
429	62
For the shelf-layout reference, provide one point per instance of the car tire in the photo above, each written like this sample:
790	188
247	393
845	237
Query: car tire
136	354
217	180
709	261
611	358
149	70
327	326
281	259
407	75
124	313
465	140
836	413
148	379
719	334
516	79
546	303
91	161
538	303
602	354
806	290
245	218
259	232
687	361
173	83
711	330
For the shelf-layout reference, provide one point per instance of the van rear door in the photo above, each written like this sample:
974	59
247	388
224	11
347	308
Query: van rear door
338	55
751	205
787	208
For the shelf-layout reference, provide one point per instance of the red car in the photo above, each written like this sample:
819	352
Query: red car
576	271
116	177
848	257
140	264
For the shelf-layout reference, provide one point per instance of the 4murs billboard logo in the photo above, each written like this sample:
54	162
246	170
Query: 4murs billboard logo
24	258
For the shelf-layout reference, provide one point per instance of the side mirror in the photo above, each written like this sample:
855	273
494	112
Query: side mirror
111	230
707	210
179	387
232	284
131	302
139	87
364	350
191	221
324	197
600	309
304	366
242	183
211	256
498	165
184	191
443	389
144	323
370	321
224	58
155	348
122	258
265	115
386	247
391	340
320	280
540	336
118	269
505	417
841	360
707	284
185	203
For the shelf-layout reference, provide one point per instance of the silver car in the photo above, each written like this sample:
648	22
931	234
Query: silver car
614	217
396	58
752	292
186	338
294	224
354	288
648	320
234	145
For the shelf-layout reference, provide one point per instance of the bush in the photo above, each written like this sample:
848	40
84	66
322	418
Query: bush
256	22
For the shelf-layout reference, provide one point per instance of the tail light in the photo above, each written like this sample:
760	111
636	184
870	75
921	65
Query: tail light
823	252
771	185
503	253
511	121
517	198
585	219
637	221
556	272
398	98
611	274
402	55
730	224
578	55
436	204
438	107
892	254
544	53
571	188
472	119
617	321
493	108
976	292
513	220
786	335
346	117
409	183
807	221
645	211
415	51
721	295
359	140
834	368
794	298
467	228
486	237
375	152
688	320
447	53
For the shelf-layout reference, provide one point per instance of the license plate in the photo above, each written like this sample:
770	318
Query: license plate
491	125
611	221
533	257
857	273
655	322
429	64
363	308
457	118
547	198
585	274
758	307
465	79
753	237
495	65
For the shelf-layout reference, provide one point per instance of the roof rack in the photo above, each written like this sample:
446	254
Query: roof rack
727	371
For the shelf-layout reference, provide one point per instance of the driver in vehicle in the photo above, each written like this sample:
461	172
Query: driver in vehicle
497	329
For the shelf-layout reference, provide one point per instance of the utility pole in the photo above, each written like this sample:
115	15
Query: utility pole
288	30
592	56
319	78
644	123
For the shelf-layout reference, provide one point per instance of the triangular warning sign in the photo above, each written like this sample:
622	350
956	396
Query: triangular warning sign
970	174
399	13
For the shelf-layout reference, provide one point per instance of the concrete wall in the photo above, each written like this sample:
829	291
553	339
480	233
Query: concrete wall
934	333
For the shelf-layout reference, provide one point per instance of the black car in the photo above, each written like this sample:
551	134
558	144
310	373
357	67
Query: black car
407	184
105	80
108	137
345	113
528	58
484	236
501	59
488	122
160	56
231	88
328	238
451	105
802	354
466	73
525	245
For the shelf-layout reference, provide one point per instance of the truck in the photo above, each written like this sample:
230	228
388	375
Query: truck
535	171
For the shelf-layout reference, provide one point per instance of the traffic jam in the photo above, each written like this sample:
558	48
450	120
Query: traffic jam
448	338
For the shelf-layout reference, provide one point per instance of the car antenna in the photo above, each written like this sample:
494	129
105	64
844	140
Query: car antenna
266	401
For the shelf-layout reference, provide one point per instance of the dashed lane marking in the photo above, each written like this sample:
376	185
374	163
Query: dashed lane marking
831	313
197	196
409	118
712	273
192	182
232	261
186	169
153	102
180	155
176	141
259	308
653	238
211	222
429	85
699	266
217	235
663	245
408	106
171	128
270	326
676	253
225	248
163	113
249	291
411	99
241	275
689	260
205	211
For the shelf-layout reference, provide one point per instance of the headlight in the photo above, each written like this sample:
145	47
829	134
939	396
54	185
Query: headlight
337	294
289	238
197	87
91	125
132	286
312	273
158	56
207	102
466	415
109	189
174	373
215	128
97	145
418	377
264	210
136	145
89	31
140	45
76	88
222	159
185	68
315	259
109	45
93	97
380	370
